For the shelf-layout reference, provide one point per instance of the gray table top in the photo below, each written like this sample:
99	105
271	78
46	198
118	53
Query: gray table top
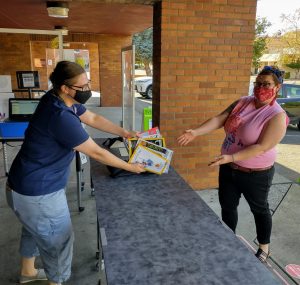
160	232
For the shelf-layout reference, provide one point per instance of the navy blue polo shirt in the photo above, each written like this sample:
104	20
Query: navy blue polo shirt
42	165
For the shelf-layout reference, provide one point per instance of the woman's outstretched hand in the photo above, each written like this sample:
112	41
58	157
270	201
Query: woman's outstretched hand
221	159
187	137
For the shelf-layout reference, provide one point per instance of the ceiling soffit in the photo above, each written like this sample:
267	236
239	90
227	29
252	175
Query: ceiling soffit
121	17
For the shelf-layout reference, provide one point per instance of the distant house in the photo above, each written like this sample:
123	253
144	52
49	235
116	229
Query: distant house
270	59
275	50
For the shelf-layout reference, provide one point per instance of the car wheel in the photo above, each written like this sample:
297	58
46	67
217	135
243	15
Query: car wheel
298	125
149	92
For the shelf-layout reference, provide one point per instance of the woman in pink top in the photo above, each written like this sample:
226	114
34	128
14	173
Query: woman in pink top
254	125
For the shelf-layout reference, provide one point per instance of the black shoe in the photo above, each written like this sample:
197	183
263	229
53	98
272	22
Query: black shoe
262	256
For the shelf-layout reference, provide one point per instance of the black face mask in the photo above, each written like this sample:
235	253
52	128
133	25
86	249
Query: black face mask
82	96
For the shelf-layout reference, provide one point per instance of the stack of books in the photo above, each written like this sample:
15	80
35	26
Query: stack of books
150	150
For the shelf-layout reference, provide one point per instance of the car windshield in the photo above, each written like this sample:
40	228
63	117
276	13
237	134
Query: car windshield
289	91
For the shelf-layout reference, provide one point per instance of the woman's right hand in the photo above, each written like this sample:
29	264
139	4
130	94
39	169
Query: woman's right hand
137	167
187	137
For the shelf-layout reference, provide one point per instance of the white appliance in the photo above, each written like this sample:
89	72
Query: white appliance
5	94
5	84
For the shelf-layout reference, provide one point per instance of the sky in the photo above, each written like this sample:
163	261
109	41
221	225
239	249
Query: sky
272	10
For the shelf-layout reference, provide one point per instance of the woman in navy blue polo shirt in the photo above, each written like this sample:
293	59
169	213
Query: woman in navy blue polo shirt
38	176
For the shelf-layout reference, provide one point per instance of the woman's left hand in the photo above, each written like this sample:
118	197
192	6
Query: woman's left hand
221	159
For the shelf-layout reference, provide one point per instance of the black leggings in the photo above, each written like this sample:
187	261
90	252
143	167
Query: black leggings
255	187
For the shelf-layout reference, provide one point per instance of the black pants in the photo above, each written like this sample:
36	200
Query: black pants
255	187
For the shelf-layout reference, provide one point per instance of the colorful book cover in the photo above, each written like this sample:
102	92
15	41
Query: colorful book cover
132	143
152	161
151	133
163	151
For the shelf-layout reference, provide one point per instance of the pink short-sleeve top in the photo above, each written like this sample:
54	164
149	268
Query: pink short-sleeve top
243	128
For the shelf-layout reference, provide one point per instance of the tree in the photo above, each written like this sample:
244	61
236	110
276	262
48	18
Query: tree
292	22
291	39
294	65
260	41
143	48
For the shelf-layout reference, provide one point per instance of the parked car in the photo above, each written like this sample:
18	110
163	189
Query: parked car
143	85
289	99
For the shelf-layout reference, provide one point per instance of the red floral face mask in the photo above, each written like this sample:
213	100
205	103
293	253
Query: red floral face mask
263	94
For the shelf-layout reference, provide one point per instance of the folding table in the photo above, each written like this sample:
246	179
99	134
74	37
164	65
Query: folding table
155	230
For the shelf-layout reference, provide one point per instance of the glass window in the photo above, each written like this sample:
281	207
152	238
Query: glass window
293	91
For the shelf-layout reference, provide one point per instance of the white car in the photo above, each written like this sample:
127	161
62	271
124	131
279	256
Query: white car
143	85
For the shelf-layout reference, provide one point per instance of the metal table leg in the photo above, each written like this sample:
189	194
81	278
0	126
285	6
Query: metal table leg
78	174
5	158
100	265
92	187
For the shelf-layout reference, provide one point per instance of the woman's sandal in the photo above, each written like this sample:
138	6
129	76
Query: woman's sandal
261	255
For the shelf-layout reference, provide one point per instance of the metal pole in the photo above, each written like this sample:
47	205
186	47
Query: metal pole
5	158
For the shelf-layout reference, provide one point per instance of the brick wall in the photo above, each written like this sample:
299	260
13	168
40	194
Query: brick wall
14	55
39	53
202	63
110	62
17	52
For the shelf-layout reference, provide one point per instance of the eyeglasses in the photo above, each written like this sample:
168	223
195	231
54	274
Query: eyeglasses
263	84
85	87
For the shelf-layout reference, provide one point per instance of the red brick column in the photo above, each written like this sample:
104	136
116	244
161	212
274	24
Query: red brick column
110	68
202	60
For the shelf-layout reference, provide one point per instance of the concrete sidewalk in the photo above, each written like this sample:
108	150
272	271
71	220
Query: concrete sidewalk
285	239
284	201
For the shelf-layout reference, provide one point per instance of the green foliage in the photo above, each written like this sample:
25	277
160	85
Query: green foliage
143	48
259	47
287	75
261	26
260	41
294	65
291	21
291	40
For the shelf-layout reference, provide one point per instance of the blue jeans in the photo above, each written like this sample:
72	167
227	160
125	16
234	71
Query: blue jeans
47	231
255	188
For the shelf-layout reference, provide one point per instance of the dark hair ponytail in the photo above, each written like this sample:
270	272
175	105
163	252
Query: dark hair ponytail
64	72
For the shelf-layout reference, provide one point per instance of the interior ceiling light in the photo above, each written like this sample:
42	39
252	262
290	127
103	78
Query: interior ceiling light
58	9
63	29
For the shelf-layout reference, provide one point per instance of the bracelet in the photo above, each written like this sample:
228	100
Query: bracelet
232	158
